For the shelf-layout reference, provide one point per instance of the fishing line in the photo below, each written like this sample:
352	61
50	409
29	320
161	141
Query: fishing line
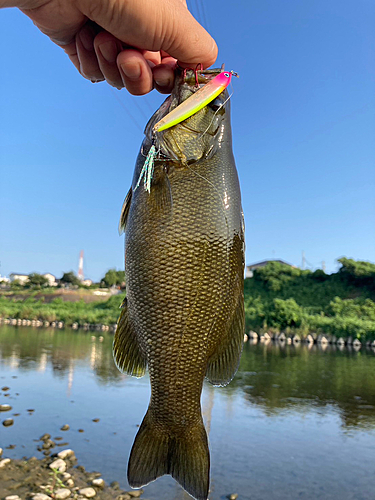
134	101
204	14
218	109
127	110
216	190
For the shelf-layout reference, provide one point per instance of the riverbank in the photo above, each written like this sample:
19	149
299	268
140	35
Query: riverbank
279	299
55	477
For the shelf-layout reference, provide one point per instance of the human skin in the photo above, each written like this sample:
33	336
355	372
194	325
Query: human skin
129	43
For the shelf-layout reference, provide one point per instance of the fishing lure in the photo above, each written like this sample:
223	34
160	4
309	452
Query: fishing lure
188	108
147	170
196	102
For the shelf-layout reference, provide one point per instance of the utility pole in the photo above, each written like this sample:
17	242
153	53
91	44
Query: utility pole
323	266
303	260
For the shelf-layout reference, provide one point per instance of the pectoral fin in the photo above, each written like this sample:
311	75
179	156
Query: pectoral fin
126	351
222	366
125	212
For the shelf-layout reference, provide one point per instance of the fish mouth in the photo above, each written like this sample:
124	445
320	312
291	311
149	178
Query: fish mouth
170	143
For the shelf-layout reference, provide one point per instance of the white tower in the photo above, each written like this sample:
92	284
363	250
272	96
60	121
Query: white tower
80	267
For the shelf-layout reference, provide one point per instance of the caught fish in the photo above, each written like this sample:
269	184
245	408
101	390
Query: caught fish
183	315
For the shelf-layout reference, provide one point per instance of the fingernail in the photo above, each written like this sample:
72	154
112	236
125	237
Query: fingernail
131	72
150	63
109	51
86	39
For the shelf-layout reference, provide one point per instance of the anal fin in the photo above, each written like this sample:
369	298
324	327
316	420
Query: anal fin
223	364
126	350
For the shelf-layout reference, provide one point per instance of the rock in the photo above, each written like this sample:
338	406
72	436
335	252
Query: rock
81	430
8	422
96	419
65	427
12	497
65	454
70	483
45	437
4	462
5	407
99	483
66	475
41	496
62	493
5	388
124	497
115	485
58	464
1	451
87	492
233	496
48	444
135	493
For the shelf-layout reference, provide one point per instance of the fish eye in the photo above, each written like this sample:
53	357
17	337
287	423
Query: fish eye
216	104
227	75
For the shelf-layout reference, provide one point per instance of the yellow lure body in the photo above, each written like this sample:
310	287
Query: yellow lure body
195	102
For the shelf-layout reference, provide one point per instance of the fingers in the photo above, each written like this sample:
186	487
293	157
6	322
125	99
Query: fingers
88	61
164	75
135	71
107	48
101	57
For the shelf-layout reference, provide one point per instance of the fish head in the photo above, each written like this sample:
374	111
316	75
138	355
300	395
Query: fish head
199	136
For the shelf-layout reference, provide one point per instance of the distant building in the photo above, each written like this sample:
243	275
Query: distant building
86	282
249	269
51	279
22	278
4	279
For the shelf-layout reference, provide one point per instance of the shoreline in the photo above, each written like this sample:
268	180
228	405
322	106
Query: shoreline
55	477
279	338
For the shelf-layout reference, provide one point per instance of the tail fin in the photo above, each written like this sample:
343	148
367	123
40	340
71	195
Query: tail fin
186	457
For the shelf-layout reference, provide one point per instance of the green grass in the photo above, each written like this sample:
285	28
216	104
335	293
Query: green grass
282	298
278	297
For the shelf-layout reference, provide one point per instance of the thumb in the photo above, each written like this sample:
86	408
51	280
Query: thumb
155	25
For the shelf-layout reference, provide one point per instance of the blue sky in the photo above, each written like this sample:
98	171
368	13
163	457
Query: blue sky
303	126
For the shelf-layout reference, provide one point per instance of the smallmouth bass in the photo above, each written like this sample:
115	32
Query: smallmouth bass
183	315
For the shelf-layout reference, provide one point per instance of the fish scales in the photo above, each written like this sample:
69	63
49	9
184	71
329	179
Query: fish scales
183	314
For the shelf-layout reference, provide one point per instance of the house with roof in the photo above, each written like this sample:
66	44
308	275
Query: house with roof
21	278
250	269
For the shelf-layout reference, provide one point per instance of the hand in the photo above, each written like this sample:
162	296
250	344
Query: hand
131	43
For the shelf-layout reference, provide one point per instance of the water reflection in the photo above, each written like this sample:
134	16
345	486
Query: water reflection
28	349
275	378
297	377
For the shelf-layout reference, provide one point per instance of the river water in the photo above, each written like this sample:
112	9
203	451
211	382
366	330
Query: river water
295	423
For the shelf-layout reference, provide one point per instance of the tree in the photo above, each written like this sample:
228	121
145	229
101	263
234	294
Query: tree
358	272
113	278
37	280
70	279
